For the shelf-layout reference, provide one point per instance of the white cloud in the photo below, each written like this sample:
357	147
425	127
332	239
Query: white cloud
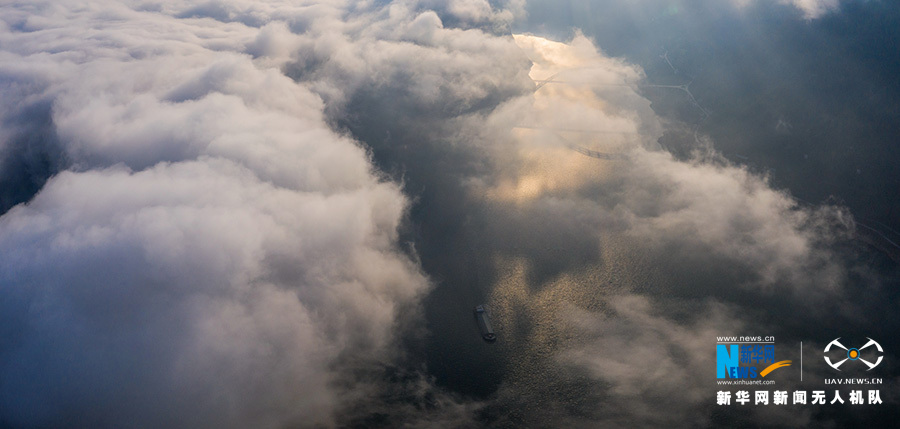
705	207
815	8
197	283
812	9
216	255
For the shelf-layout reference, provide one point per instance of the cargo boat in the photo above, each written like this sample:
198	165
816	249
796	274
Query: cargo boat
484	323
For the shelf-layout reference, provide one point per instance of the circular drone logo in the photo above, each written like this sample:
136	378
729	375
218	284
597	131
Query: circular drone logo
853	354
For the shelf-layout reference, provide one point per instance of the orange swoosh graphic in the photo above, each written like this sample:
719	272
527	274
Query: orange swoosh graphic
774	366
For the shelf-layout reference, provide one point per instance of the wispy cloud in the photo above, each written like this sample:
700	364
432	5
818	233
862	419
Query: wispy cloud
811	9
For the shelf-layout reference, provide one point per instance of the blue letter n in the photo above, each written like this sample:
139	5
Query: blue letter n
724	360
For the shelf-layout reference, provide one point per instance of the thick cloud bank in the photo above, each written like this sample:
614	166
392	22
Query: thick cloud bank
215	255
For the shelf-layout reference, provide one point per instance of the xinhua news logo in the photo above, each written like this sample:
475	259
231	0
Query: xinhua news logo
746	357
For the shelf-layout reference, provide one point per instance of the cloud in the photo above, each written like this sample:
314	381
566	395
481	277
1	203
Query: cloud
705	206
194	284
659	369
816	8
207	250
213	253
812	9
412	55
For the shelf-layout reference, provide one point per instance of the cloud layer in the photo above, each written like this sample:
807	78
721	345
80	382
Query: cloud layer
705	206
215	254
221	246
